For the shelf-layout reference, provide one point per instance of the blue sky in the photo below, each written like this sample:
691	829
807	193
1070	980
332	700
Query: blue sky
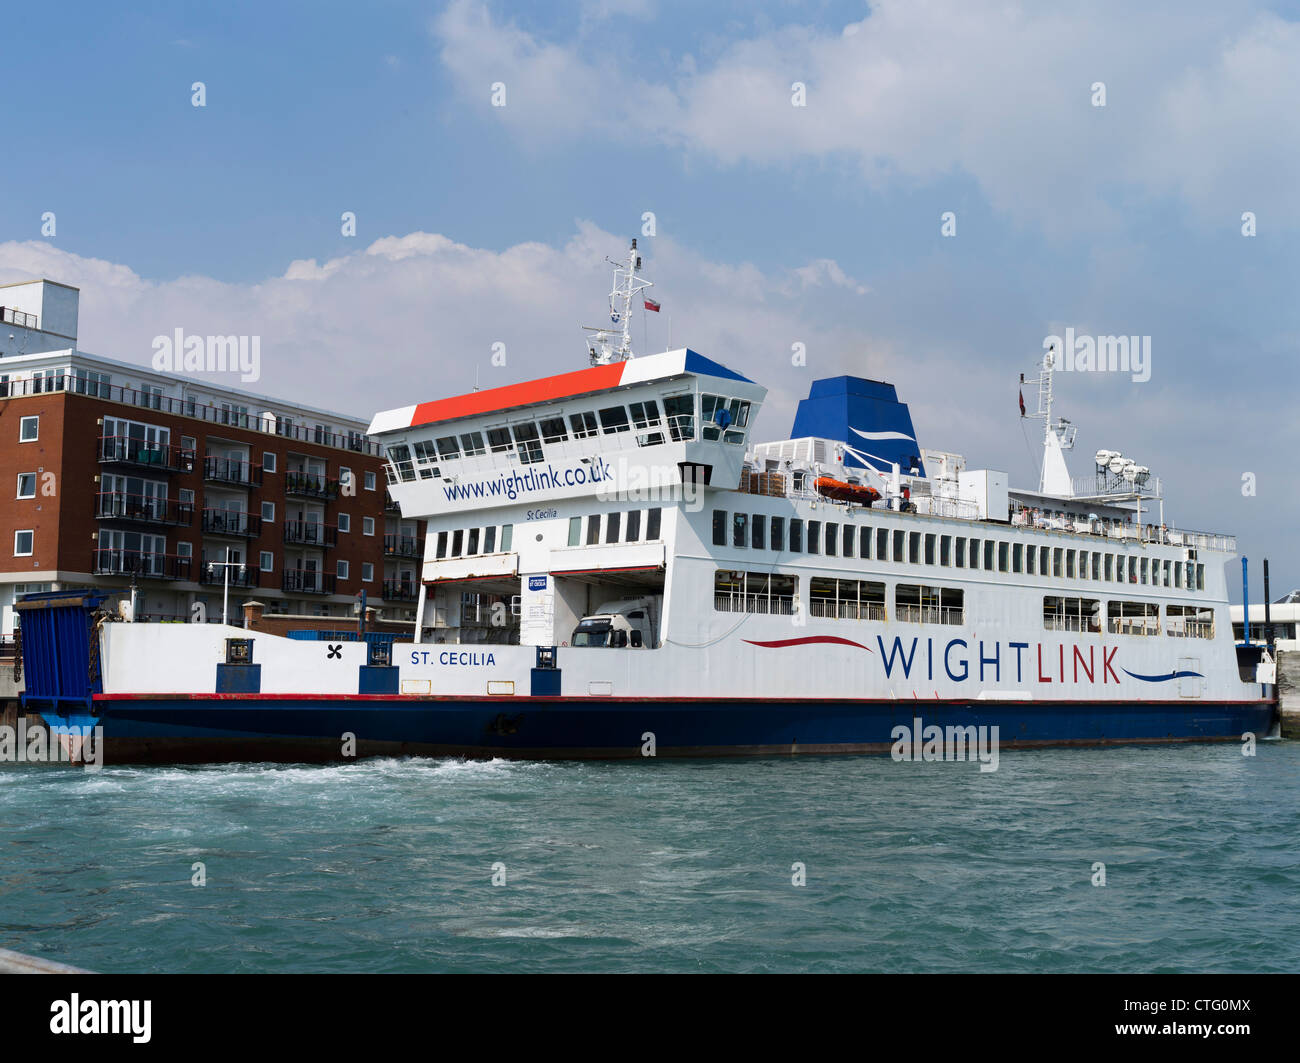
775	224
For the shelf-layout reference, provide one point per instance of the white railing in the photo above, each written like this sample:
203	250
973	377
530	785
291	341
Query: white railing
1191	629
776	604
847	610
1134	625
1072	623
929	614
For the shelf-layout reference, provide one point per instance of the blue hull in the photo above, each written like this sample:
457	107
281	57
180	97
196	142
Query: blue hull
270	728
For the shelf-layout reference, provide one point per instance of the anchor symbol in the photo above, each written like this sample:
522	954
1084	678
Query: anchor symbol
335	651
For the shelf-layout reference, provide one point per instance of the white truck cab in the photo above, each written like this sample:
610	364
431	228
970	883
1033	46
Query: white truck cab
627	624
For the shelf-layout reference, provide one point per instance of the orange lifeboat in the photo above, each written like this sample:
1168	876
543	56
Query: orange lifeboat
846	492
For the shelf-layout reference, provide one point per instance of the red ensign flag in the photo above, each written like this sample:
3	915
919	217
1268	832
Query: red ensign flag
650	304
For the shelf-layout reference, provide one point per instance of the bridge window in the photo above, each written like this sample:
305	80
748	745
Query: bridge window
448	449
583	424
1133	618
471	443
778	533
530	448
754	592
758	531
919	604
719	527
1071	614
796	535
645	415
614	419
499	441
1189	622
553	430
846	599
400	455
680	411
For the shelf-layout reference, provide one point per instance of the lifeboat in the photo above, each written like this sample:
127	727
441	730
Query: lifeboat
845	492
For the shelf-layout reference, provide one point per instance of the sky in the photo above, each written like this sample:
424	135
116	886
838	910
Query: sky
787	169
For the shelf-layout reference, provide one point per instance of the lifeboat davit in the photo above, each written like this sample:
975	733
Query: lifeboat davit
846	492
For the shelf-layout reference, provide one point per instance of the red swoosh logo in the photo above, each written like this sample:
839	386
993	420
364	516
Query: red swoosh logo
807	639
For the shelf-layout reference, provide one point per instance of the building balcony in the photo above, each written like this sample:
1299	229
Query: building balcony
300	581
142	509
310	485
310	533
215	575
391	506
403	546
231	522
110	561
232	471
161	457
401	590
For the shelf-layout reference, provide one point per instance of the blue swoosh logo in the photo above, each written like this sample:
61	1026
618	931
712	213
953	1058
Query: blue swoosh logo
1162	678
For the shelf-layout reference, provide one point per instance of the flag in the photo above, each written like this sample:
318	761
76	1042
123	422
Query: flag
650	304
1022	403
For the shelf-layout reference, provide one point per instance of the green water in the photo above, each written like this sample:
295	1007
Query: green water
388	865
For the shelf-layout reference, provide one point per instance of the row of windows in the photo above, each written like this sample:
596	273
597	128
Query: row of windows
467	542
722	417
618	527
758	531
1126	618
836	599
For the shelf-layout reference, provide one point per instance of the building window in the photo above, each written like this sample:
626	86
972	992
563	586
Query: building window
341	569
23	543
918	604
268	512
268	461
367	572
754	592
345	522
1133	618
267	561
367	525
26	485
29	429
1072	614
369	479
719	527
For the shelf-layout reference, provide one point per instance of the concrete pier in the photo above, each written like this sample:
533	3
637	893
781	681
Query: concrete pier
18	963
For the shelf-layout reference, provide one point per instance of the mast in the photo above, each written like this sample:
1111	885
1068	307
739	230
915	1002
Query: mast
627	286
1054	476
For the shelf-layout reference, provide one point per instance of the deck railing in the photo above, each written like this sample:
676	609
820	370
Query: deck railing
776	604
929	614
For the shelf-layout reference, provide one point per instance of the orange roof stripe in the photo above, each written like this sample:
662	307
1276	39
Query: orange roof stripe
547	389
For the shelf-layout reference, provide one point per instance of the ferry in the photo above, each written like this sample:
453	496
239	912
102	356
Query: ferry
615	568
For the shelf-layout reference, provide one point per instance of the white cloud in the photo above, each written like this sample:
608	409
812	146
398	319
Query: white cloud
1201	106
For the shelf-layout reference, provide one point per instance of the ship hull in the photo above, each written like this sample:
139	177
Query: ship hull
290	728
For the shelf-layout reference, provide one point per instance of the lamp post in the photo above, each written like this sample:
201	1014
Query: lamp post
226	565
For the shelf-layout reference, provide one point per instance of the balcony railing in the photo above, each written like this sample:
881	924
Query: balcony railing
232	471
268	424
402	546
780	604
401	590
310	485
215	575
300	581
390	506
839	610
142	509
110	561
310	533
127	450
231	522
929	614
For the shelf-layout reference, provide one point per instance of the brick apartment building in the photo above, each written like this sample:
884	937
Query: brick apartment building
124	475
